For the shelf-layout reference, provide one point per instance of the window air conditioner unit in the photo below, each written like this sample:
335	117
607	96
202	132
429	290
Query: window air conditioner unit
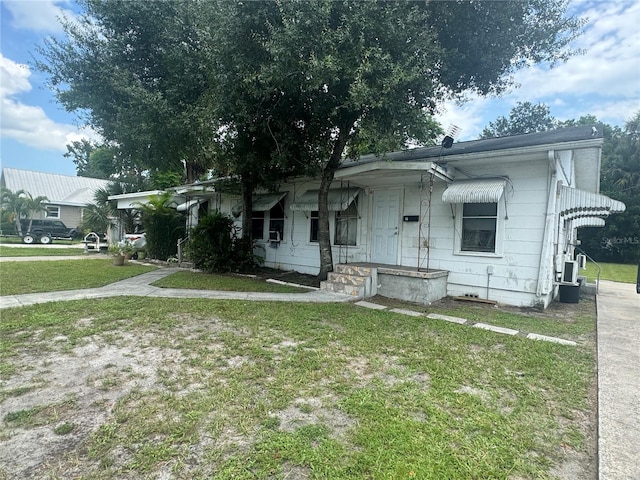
274	236
569	272
582	261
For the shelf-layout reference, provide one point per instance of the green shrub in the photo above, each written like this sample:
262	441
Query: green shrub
163	227
215	246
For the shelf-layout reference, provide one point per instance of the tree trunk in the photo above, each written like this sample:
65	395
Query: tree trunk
247	208
18	224
324	236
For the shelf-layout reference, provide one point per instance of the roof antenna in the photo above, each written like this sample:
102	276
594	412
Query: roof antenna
451	134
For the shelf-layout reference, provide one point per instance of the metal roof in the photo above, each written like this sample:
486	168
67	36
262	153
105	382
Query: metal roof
482	190
59	189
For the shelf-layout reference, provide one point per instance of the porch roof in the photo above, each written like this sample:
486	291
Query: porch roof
481	190
576	203
339	200
381	172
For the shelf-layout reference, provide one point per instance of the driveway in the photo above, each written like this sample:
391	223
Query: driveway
618	381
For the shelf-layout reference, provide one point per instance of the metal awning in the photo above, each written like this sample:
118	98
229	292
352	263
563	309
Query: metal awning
587	222
183	207
339	200
482	190
576	203
262	202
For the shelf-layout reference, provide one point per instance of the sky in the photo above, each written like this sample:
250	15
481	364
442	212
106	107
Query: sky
604	81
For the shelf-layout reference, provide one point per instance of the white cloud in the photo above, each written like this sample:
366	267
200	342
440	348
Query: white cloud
28	124
14	77
467	116
609	70
37	15
604	81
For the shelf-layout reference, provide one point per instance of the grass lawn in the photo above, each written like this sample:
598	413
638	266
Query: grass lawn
230	283
191	388
56	275
615	272
6	251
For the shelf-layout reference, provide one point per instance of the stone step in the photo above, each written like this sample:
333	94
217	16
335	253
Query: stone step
354	290
347	279
350	269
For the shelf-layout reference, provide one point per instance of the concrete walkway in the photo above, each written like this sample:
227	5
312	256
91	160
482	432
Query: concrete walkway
139	286
618	381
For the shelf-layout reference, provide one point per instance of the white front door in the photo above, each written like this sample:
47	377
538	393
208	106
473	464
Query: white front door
386	217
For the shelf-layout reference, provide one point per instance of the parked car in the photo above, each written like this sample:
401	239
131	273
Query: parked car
44	231
138	240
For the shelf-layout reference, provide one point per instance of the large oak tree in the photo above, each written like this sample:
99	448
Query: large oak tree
334	76
136	73
290	86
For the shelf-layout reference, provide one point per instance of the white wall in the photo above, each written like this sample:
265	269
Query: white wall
295	252
515	266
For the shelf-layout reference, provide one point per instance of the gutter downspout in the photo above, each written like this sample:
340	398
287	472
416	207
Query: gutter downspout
546	253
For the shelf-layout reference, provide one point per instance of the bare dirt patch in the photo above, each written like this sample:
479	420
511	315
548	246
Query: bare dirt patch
78	386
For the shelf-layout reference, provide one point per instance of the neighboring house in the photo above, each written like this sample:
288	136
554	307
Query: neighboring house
493	219
67	195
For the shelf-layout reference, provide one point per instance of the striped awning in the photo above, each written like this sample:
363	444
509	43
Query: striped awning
481	190
339	200
587	222
576	203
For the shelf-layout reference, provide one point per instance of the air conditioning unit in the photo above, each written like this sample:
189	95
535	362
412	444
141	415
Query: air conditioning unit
274	236
569	272
582	261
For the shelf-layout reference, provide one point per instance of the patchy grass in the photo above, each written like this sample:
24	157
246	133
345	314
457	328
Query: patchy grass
234	389
616	272
57	275
38	251
230	282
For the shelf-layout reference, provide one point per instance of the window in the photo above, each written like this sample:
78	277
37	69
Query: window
52	212
479	227
276	218
257	225
313	230
347	225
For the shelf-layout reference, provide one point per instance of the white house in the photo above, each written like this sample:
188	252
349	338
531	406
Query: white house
494	219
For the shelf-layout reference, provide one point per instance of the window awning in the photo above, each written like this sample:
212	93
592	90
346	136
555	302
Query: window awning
183	207
262	202
587	222
576	203
482	190
339	200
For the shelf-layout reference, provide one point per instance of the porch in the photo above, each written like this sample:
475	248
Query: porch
403	283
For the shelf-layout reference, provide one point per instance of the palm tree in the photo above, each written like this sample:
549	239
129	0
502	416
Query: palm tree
34	205
97	218
14	203
127	218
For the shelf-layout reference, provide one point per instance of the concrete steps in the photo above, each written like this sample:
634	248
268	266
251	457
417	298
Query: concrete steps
355	280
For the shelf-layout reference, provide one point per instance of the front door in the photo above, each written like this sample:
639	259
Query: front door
386	216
